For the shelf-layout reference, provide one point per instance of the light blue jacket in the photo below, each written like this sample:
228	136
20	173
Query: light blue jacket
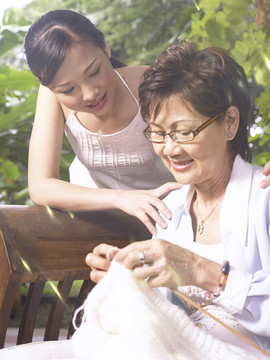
244	226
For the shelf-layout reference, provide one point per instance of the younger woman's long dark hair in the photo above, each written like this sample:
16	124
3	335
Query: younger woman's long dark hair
49	38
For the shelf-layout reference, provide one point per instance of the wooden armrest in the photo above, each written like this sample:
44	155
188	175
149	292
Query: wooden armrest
38	244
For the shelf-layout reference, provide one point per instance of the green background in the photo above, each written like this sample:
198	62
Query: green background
136	30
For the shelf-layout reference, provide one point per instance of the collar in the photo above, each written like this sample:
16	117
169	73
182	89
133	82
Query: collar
234	210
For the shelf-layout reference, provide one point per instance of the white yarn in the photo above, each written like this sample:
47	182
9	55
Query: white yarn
125	319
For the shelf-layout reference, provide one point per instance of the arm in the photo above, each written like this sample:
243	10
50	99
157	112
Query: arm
247	293
168	264
246	296
46	188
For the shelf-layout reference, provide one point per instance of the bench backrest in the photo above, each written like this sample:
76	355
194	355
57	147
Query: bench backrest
38	244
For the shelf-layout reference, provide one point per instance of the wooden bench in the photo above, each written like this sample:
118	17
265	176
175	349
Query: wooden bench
38	244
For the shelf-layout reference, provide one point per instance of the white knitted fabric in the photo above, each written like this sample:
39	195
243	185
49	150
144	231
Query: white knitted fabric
125	319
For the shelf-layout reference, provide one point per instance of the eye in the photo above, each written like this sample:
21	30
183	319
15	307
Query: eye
182	135
185	132
68	91
95	73
161	133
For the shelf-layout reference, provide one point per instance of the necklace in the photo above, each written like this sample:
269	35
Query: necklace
202	221
100	131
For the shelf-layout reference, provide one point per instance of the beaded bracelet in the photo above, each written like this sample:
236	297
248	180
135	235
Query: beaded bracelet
222	280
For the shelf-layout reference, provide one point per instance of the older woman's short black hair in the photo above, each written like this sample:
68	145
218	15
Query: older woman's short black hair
209	80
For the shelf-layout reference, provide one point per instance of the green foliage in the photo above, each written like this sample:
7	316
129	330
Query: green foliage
231	24
18	93
136	30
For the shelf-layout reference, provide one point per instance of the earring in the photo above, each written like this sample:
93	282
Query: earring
230	135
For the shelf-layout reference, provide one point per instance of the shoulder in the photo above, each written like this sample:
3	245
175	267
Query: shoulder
48	103
176	198
132	76
245	185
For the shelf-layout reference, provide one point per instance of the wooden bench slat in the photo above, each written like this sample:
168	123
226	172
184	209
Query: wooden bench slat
86	287
58	307
31	306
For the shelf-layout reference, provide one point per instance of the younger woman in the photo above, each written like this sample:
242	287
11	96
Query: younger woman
83	95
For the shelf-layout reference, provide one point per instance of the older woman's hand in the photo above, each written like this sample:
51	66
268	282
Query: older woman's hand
160	262
266	171
100	260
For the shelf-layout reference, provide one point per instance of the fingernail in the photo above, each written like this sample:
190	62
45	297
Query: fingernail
154	232
263	184
111	253
164	225
168	216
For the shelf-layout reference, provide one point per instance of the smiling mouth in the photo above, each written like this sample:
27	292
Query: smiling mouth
97	103
181	165
187	162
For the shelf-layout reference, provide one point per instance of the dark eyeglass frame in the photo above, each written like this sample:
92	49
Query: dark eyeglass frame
194	132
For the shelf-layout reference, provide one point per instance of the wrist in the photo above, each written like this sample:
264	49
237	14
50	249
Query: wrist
207	273
222	280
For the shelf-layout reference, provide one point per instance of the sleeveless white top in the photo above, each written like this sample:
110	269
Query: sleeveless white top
124	160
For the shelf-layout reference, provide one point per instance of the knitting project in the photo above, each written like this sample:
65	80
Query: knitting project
125	319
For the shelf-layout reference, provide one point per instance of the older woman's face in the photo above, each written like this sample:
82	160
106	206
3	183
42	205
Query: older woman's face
202	160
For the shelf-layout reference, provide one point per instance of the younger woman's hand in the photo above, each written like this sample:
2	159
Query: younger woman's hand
147	204
266	171
100	260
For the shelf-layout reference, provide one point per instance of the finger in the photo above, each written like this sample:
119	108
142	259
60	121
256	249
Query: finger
102	249
97	262
165	188
145	272
153	213
138	259
141	215
132	260
266	169
135	247
265	182
97	275
158	204
158	276
111	253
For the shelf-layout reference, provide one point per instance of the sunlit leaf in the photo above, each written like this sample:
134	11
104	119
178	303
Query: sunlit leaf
9	170
13	117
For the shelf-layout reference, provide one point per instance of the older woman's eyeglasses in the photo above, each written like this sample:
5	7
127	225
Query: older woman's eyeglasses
178	136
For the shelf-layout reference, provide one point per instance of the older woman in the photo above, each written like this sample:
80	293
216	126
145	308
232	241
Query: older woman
198	105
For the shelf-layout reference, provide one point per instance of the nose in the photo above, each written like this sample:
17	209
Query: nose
171	148
89	93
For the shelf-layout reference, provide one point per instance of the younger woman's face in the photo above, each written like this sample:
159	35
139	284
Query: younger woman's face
85	80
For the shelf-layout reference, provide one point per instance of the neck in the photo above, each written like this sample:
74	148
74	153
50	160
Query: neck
211	191
123	110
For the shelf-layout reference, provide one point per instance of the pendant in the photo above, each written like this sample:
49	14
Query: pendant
200	228
100	132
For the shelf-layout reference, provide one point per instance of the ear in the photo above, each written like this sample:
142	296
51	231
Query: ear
107	49
232	118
